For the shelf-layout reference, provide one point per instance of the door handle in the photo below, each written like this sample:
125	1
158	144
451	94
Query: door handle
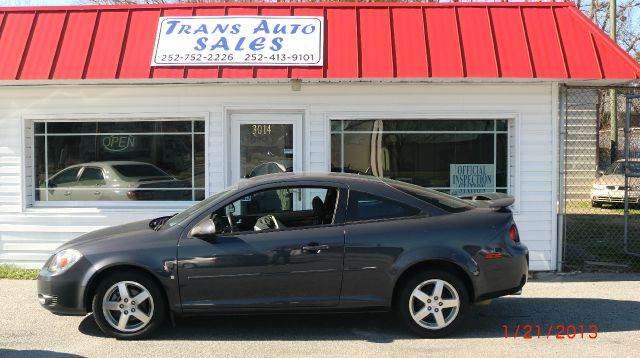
96	193
315	247
67	193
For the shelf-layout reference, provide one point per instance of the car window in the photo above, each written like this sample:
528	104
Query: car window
440	200
614	168
634	167
65	177
91	176
618	168
364	206
279	208
198	207
139	170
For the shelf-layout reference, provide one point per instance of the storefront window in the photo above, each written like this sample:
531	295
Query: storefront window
453	156
143	160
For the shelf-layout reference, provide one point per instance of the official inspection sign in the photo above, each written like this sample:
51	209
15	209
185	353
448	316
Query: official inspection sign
239	41
472	178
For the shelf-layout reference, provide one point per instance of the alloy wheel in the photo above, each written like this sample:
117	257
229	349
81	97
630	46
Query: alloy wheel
434	304
127	306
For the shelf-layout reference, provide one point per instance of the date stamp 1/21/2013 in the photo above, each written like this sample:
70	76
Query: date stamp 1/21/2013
553	331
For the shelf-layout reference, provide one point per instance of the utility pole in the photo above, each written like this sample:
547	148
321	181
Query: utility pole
613	98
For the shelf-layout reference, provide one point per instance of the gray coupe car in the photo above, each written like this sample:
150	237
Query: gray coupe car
295	243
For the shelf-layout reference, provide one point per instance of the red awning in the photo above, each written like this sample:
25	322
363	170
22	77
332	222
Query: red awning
362	40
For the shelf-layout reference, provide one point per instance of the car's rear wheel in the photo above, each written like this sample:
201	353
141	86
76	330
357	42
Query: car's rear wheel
432	304
128	305
596	204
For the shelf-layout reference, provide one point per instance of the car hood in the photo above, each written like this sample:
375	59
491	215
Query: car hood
111	235
616	180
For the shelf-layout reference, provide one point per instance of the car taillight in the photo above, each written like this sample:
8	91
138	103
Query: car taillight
131	195
513	233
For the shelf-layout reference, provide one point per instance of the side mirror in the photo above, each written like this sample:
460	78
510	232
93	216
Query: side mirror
600	173
205	229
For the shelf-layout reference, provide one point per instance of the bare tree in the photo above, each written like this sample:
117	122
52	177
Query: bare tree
628	21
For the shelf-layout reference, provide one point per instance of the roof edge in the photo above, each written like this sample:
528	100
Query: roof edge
280	4
609	41
329	81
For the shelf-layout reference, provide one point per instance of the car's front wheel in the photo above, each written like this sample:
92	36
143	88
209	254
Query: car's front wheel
128	305
433	303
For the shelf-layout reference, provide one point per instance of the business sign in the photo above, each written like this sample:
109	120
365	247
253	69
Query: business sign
239	41
472	178
118	143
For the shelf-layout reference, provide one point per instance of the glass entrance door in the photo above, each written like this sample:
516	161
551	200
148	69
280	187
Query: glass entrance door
264	144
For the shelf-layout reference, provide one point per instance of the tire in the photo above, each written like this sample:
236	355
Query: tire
595	204
407	304
153	306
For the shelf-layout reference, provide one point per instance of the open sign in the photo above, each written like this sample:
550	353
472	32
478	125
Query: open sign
118	143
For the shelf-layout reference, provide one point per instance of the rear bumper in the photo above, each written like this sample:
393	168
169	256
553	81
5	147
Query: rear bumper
510	291
63	294
504	276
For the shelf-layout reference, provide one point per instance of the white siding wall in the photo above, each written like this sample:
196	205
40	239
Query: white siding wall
28	235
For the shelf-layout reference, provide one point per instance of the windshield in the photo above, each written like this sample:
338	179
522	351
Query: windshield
617	168
139	170
440	200
180	217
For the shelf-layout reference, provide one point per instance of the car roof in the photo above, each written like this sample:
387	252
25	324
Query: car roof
108	163
343	178
364	183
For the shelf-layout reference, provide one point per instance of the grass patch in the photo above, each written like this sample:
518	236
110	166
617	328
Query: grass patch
17	273
599	237
584	207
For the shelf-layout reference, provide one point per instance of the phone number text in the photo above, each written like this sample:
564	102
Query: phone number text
236	58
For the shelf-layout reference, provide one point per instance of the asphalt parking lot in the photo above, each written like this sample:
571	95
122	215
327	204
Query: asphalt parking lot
610	301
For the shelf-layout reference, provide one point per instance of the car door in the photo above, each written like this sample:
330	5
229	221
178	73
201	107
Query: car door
251	265
377	229
89	186
61	184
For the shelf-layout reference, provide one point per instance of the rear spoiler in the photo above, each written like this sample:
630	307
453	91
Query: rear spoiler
490	200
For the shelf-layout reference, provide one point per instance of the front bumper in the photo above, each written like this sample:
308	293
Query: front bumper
614	196
63	294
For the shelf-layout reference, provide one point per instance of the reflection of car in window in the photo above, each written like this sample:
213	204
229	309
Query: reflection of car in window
65	177
91	175
116	180
140	171
609	187
267	168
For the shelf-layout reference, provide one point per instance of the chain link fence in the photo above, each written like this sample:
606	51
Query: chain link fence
599	234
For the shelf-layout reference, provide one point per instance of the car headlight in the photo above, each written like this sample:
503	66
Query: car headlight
62	260
599	187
